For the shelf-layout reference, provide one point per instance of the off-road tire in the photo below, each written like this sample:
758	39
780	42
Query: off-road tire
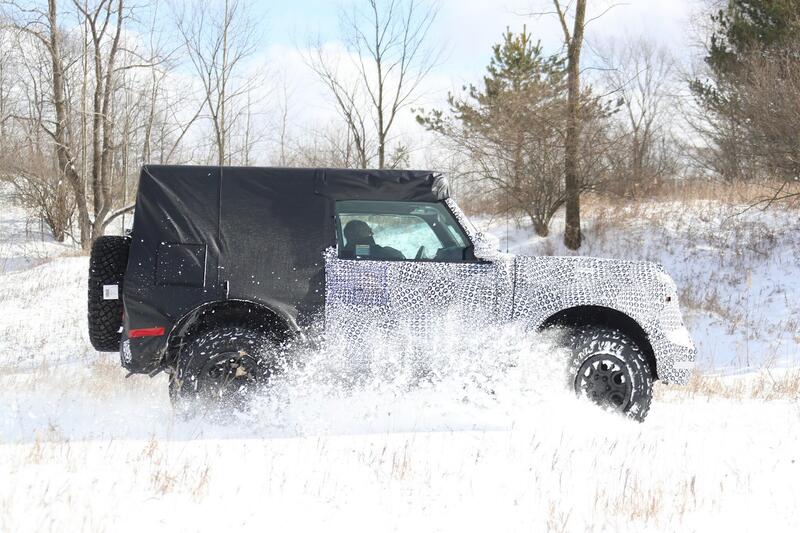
610	369
107	265
218	370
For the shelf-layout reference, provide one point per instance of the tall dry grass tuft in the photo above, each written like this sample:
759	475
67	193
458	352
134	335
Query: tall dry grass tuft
557	520
767	385
401	463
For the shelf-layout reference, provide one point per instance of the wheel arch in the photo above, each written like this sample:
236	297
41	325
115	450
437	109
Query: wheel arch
595	315
240	312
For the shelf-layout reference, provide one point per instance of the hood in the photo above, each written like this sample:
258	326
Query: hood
594	270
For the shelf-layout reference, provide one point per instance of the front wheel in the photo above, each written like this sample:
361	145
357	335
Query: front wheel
611	370
222	368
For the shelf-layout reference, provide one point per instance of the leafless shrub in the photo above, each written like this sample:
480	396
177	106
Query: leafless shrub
770	104
39	186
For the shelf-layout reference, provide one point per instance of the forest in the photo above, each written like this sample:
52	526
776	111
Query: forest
90	91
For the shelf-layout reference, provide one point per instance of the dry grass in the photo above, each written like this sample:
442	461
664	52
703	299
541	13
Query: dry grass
766	385
99	378
730	199
690	191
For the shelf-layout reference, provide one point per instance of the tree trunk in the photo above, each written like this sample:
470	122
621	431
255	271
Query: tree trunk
572	179
223	86
66	161
108	130
541	229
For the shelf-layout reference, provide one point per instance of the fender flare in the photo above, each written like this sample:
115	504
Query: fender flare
585	315
209	314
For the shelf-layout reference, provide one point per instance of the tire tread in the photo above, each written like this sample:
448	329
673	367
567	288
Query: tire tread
107	264
581	341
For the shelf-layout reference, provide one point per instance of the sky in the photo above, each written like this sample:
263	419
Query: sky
464	31
467	29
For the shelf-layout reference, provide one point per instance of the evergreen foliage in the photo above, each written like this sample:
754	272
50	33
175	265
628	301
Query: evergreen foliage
512	128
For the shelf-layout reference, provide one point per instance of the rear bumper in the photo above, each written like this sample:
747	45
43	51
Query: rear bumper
141	355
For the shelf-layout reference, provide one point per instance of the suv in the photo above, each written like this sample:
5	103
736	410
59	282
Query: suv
227	266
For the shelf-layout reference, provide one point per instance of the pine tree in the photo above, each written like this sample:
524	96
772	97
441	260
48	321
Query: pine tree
512	127
751	94
744	27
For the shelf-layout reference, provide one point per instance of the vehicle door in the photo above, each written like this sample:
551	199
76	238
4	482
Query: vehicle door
406	264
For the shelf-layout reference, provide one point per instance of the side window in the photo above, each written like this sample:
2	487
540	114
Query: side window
386	231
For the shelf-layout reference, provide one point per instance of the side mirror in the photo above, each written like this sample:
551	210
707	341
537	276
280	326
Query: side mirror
486	247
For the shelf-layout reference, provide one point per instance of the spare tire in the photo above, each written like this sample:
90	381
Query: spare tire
106	272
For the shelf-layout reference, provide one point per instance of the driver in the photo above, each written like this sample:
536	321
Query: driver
359	242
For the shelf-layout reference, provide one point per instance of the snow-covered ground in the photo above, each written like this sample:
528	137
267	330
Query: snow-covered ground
491	443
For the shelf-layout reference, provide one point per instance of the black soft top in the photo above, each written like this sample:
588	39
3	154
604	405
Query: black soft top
336	183
207	233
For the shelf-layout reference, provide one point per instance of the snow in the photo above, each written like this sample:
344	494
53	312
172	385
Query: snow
476	435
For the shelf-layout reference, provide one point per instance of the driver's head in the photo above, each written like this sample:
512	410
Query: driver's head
358	232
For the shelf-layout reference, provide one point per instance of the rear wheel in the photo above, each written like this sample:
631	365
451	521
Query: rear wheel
222	368
107	265
608	368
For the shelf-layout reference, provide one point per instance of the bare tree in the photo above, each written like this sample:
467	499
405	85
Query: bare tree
104	20
283	126
770	106
387	60
641	76
218	43
7	72
30	165
347	96
98	99
42	25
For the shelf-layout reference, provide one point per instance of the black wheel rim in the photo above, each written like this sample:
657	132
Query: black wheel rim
228	378
606	381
